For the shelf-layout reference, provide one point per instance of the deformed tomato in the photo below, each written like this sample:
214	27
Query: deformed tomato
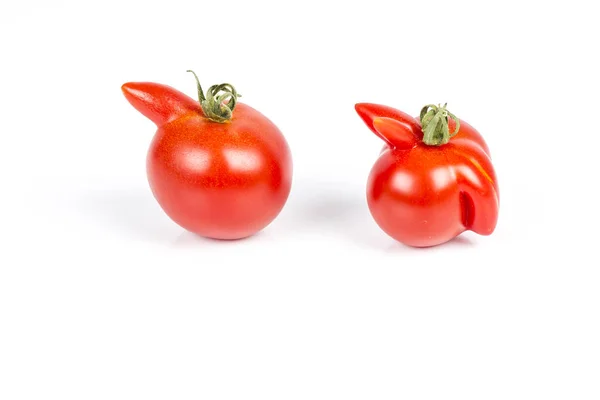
217	167
433	180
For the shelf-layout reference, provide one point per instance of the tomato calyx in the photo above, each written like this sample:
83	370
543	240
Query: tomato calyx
434	123
219	102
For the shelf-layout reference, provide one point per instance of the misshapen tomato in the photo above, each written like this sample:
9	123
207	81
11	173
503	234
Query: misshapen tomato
431	182
217	167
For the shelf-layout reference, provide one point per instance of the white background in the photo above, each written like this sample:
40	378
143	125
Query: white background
103	297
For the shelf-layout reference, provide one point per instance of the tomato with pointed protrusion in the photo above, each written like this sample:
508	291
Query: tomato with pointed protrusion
218	168
434	178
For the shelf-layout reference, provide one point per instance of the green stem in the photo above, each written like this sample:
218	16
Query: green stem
434	123
219	102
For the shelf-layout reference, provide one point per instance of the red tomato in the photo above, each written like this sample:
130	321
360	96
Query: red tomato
217	168
429	185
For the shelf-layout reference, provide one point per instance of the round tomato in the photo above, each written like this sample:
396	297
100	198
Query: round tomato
428	184
217	167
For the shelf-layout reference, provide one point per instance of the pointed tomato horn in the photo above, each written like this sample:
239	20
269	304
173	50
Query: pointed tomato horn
369	111
160	103
395	133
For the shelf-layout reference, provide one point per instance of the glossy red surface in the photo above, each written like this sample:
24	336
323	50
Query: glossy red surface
219	180
426	195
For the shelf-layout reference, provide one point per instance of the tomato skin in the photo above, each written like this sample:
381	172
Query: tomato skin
218	180
424	195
